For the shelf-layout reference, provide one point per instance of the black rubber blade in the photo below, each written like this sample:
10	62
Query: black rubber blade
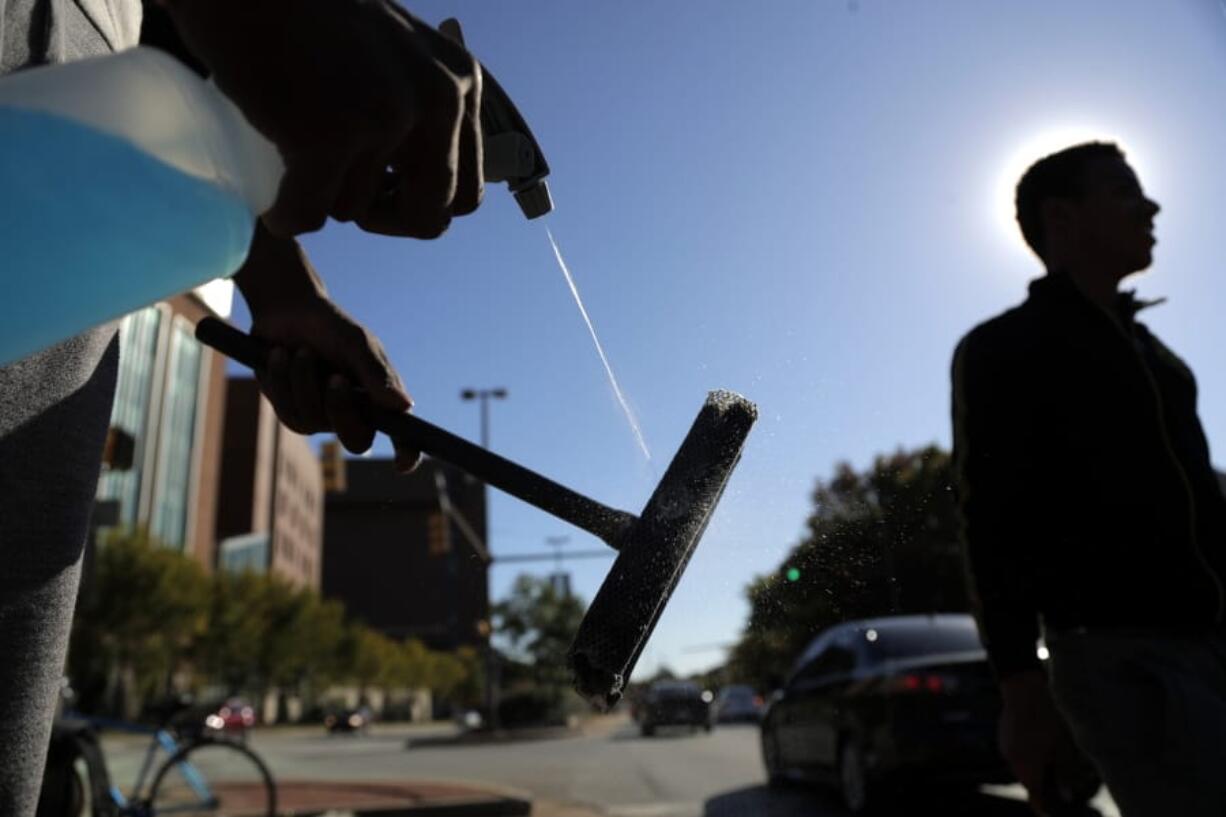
654	552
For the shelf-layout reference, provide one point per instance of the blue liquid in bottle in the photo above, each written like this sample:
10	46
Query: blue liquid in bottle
92	228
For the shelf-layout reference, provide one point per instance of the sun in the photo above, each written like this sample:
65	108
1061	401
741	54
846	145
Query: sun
1018	156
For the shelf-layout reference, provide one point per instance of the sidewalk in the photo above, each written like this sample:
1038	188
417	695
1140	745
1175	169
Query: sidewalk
306	798
301	798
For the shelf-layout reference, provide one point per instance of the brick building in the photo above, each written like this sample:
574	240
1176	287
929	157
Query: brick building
406	554
166	420
270	508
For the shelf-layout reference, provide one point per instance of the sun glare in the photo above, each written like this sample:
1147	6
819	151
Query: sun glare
1045	141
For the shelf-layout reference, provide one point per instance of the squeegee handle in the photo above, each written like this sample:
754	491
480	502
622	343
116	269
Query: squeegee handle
538	491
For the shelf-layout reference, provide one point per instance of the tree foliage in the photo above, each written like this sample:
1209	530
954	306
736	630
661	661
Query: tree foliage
154	612
539	622
880	542
150	610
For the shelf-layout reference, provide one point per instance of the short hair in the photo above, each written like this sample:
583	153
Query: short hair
1057	176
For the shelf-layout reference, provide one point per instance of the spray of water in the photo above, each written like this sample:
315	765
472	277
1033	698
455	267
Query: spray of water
617	389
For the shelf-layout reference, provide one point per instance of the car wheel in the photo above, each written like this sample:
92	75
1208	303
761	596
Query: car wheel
648	730
771	760
853	778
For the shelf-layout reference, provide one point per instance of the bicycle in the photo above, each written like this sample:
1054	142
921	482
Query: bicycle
205	773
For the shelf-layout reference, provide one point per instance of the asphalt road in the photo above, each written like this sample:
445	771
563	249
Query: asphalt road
614	770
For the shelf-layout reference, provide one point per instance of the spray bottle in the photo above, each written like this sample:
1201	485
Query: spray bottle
126	179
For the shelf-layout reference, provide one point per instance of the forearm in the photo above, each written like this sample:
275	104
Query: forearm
277	272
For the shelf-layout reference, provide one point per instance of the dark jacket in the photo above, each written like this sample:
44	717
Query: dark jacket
1085	484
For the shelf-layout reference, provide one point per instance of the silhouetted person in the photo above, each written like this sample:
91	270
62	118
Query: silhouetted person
1091	509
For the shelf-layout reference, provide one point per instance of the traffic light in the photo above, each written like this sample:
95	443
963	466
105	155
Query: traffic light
332	461
438	534
119	449
793	574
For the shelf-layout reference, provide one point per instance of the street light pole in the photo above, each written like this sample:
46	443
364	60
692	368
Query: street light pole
484	396
491	665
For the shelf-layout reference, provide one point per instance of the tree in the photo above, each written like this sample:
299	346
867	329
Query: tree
540	622
150	605
877	543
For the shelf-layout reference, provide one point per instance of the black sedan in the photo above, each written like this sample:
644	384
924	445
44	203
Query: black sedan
674	703
883	702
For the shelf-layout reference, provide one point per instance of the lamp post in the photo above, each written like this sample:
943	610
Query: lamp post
484	395
491	664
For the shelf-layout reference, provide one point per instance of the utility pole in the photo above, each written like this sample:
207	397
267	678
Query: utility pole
483	396
559	580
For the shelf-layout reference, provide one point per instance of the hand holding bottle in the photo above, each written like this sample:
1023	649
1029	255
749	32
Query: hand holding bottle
375	114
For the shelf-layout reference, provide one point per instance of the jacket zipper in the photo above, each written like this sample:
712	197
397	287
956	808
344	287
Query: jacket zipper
1183	476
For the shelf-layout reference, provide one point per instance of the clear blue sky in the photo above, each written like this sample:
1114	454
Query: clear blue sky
801	201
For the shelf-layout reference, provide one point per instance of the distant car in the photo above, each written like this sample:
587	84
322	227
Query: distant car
674	703
349	720
738	704
885	702
234	717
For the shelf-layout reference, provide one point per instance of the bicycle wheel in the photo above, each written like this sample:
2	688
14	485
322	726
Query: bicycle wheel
213	778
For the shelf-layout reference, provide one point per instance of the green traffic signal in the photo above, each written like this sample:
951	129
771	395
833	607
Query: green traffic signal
793	574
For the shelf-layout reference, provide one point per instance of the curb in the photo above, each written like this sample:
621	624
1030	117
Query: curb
374	799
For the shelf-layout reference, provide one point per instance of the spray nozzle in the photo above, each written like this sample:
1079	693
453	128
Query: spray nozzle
511	152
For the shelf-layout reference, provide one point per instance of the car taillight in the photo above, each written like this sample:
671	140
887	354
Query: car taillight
917	683
758	702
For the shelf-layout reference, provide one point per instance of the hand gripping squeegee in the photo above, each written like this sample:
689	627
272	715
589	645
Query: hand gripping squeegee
653	548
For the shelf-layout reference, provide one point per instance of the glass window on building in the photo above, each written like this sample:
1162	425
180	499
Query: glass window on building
178	433
246	553
138	343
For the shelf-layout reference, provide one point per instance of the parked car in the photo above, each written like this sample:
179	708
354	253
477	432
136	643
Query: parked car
234	717
738	704
674	703
349	720
885	702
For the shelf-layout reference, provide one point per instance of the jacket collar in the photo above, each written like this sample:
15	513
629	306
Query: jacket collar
1057	287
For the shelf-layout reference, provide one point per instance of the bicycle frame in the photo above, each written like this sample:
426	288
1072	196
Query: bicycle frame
161	739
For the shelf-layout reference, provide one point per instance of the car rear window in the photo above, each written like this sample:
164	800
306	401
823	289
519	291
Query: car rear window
888	643
679	690
738	693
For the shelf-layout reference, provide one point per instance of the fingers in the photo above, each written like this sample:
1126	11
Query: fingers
420	120
470	175
275	382
376	375
366	359
313	180
362	185
349	420
307	391
450	51
407	459
418	203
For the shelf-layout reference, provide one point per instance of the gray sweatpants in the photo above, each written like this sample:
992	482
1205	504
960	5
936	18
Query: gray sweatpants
1150	711
54	410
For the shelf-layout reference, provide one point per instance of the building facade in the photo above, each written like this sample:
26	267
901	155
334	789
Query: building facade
169	404
270	510
406	554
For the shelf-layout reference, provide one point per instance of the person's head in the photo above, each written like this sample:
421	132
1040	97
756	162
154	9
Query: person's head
1084	207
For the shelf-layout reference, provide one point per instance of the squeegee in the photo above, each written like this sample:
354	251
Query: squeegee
653	547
